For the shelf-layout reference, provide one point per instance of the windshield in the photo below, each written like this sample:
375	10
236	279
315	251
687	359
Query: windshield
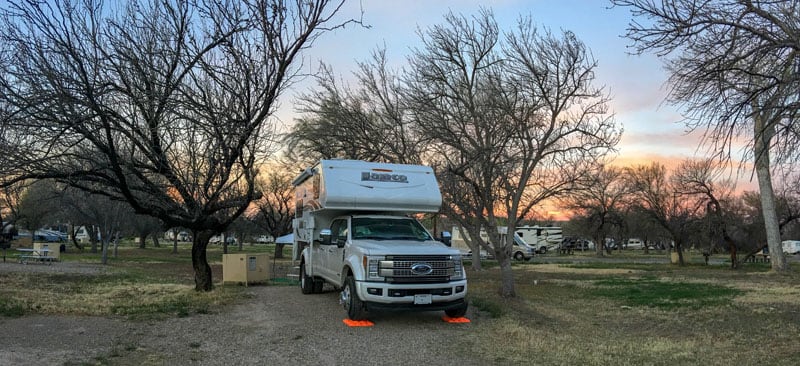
386	228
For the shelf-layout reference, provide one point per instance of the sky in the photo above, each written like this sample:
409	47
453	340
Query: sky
653	130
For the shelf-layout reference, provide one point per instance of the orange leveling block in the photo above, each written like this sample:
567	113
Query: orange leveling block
358	323
455	320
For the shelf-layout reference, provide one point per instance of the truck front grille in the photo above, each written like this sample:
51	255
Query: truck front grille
417	268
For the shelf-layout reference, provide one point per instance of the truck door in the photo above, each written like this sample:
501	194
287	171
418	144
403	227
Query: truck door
331	256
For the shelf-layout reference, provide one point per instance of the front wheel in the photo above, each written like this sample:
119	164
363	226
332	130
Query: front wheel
306	282
542	250
457	312
352	304
519	256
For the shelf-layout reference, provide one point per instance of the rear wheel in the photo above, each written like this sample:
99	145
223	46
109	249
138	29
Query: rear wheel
457	312
519	256
318	283
352	304
542	250
306	282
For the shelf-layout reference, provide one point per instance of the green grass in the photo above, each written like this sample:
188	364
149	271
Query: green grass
493	308
11	307
652	292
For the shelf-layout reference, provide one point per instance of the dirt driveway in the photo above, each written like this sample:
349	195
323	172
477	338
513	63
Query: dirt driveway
276	325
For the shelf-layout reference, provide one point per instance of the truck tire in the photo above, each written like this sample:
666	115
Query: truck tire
318	283
306	281
519	256
542	250
352	304
457	312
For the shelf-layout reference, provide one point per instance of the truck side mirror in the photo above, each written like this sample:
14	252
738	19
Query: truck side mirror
325	236
340	241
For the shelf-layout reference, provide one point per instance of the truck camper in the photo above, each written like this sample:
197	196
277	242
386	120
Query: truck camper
353	229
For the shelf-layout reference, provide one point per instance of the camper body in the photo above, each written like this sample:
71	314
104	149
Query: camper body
542	238
353	230
520	250
791	246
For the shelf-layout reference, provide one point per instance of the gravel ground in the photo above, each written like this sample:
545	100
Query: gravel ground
276	325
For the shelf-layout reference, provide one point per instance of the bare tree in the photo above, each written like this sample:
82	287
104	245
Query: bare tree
36	203
103	218
661	199
144	227
164	104
514	116
701	179
733	65
506	120
276	207
369	122
600	199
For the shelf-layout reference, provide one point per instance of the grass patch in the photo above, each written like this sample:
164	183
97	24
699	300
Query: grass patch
12	308
493	308
151	283
633	313
604	265
652	292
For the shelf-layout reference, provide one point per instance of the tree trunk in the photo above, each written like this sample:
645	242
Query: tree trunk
72	236
506	276
175	245
155	240
104	255
763	136
504	259
202	271
142	238
278	250
116	245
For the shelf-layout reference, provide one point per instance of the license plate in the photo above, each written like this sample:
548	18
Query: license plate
423	299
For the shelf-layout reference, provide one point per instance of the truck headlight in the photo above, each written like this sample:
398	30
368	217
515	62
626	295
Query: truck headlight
371	267
458	268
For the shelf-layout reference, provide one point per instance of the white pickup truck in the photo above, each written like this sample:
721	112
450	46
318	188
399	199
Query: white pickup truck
353	230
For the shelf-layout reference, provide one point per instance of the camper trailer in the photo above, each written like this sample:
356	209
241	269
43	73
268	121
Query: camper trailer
542	238
791	246
521	250
354	229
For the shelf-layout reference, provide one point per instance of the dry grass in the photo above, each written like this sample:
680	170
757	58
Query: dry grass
558	318
139	283
562	315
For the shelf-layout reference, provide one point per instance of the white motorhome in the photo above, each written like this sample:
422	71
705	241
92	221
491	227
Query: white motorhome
542	238
352	229
521	250
791	246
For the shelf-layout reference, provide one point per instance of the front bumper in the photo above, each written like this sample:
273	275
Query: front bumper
381	294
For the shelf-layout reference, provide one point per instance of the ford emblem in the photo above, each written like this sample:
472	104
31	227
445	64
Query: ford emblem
421	269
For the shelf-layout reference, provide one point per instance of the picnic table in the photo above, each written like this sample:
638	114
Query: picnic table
39	255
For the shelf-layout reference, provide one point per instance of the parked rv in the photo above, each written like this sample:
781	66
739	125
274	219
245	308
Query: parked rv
520	250
352	229
542	238
791	246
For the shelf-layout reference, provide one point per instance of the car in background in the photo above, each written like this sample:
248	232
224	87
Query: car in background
184	236
574	243
217	239
50	236
263	239
634	243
